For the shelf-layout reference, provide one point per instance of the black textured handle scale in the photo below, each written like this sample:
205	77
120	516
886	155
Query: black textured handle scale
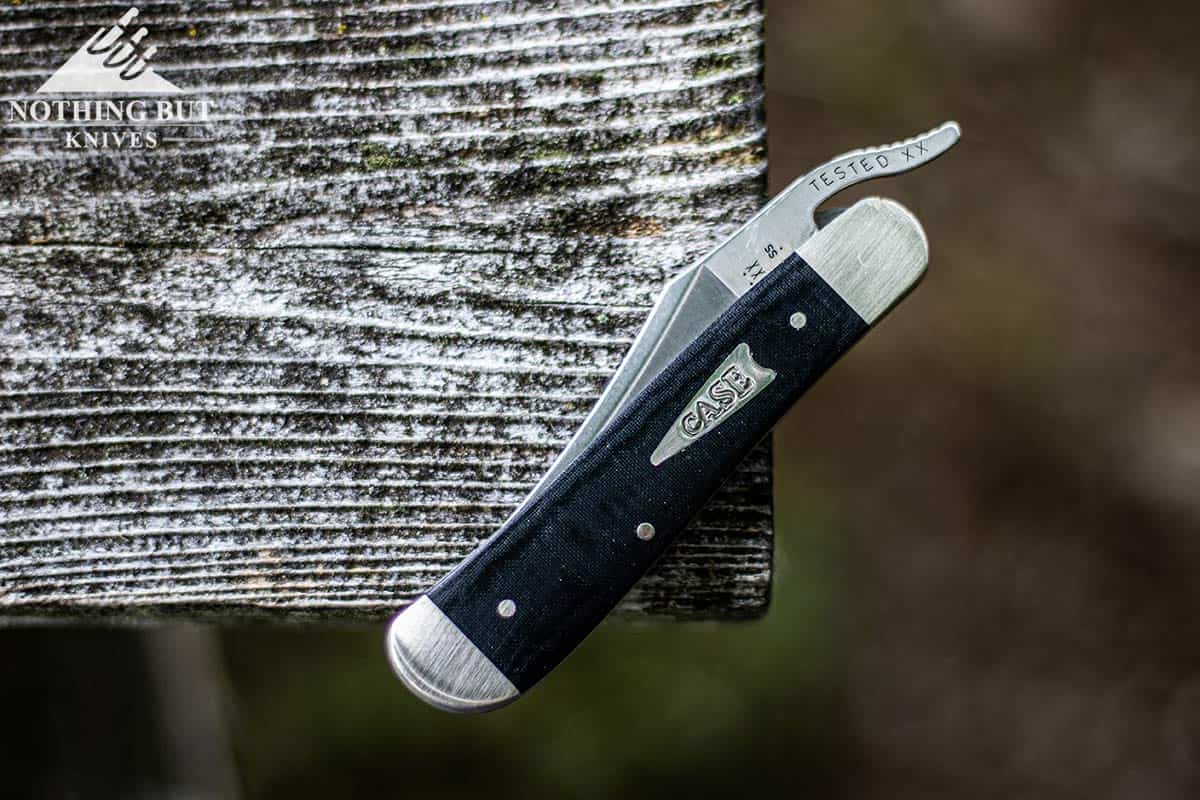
570	557
533	591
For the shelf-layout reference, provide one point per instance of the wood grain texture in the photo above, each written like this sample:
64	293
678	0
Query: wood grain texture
301	368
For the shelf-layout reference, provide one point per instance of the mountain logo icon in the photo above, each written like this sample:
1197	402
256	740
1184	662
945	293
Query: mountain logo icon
113	61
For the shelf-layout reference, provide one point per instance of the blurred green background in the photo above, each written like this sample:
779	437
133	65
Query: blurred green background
987	519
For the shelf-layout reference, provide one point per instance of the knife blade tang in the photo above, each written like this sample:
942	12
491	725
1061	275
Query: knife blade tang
509	613
790	218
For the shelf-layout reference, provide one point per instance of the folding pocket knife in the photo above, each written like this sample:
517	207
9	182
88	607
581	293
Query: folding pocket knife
731	344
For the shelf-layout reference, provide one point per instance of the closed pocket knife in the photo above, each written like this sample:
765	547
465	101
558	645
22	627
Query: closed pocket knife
731	344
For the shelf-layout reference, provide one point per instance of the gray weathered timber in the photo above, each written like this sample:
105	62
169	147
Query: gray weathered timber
301	368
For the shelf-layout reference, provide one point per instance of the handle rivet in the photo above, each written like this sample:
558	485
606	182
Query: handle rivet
798	320
645	531
506	608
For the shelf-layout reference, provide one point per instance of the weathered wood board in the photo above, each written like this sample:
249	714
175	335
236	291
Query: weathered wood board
301	363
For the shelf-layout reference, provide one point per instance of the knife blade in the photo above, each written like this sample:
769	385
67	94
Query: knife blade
694	298
508	614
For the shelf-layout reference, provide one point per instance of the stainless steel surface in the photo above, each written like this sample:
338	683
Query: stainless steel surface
698	295
440	665
871	255
730	388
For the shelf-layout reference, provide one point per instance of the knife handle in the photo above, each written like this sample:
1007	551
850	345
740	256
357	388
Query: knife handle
509	613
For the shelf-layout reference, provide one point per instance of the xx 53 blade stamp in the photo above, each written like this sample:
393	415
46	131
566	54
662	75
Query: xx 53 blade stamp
730	346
